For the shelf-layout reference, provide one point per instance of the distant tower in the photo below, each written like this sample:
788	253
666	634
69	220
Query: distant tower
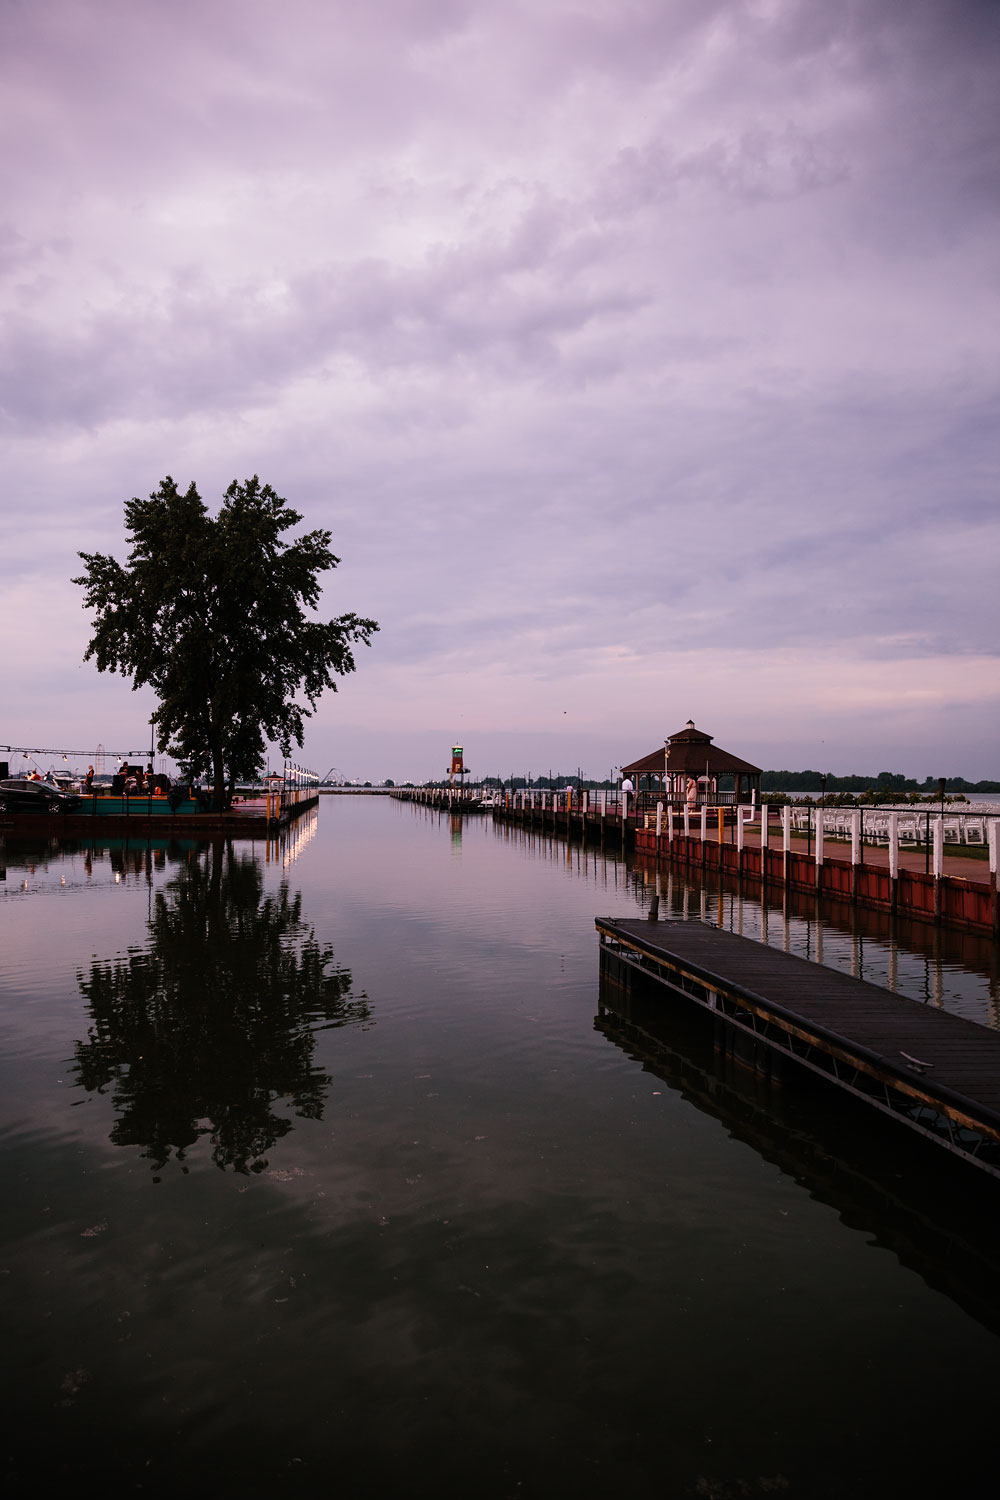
99	758
457	765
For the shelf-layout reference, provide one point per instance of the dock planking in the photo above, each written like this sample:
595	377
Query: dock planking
934	1071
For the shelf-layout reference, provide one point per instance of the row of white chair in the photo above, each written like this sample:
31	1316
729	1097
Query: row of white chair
959	828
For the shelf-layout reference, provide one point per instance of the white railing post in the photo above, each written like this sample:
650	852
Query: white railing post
659	820
739	829
670	824
704	822
856	836
893	846
993	841
687	821
763	834
938	848
819	837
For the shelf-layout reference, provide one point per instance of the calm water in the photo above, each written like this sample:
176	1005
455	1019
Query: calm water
334	1168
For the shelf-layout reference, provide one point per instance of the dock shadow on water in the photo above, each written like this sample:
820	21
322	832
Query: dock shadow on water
198	1034
937	1215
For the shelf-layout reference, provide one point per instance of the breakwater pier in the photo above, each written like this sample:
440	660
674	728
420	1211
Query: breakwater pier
934	867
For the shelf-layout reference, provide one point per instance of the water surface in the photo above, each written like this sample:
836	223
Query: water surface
331	1166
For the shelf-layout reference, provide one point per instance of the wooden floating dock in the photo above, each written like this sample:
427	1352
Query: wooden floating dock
933	1072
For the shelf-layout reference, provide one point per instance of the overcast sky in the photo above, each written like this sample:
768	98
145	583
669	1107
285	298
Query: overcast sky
642	357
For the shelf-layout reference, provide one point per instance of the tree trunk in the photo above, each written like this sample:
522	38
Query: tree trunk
218	779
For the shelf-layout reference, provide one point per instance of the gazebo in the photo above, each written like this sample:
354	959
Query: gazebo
689	768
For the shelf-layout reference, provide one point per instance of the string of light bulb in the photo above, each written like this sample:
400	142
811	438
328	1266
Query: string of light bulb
27	750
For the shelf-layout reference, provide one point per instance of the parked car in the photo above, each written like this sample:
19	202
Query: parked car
20	795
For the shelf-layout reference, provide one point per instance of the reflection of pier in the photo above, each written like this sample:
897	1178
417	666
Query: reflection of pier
934	1072
938	1221
942	883
879	946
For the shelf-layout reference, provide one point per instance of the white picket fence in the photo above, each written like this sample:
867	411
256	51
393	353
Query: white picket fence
912	825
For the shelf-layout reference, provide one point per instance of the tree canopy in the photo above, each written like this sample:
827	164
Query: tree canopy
210	611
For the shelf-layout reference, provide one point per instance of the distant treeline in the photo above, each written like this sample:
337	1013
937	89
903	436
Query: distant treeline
812	781
771	781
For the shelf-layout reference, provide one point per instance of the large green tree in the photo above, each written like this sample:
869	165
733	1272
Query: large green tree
210	611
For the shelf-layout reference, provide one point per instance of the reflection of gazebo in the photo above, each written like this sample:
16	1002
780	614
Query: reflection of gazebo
690	757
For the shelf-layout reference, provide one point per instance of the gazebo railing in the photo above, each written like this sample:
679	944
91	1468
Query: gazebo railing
646	801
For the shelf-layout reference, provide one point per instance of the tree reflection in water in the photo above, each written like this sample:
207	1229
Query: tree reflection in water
215	1022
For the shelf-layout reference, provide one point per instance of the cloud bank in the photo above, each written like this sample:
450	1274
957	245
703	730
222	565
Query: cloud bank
641	357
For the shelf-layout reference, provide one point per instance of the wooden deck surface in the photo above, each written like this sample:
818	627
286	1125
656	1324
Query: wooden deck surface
959	863
964	1057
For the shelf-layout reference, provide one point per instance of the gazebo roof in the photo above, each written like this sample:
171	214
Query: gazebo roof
690	752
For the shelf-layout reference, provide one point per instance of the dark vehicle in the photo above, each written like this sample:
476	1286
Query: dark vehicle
19	795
